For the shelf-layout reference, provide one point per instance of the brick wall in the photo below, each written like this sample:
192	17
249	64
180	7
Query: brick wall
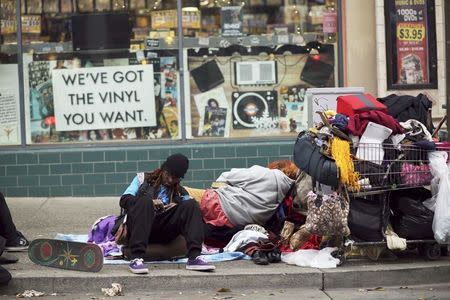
107	171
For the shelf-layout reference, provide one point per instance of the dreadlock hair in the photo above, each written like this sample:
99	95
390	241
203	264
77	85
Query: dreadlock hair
154	178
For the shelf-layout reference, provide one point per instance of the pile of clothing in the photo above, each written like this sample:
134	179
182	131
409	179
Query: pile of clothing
367	145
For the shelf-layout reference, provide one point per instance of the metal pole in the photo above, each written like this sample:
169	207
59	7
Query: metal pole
340	45
181	106
20	72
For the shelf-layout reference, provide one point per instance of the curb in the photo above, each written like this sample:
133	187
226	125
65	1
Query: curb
245	278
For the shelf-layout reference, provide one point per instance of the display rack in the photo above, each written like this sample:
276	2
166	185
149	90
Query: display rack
213	42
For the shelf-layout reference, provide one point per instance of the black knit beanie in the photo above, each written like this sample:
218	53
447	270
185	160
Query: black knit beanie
176	164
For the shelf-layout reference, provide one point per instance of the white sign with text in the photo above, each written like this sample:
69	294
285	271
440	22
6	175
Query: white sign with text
104	97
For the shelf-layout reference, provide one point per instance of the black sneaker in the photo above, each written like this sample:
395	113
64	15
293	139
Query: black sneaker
20	244
5	276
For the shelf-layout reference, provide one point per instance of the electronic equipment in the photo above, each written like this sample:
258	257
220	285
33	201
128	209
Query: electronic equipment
316	72
207	76
101	31
249	105
255	72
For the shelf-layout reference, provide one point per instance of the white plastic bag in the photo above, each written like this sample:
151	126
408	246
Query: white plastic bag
438	168
311	258
441	173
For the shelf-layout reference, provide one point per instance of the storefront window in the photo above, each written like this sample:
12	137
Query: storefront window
9	78
109	70
88	77
251	62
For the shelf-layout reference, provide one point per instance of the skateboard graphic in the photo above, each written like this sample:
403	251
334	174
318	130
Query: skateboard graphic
67	255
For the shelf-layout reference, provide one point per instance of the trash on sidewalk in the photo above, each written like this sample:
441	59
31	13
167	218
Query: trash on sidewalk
114	290
29	294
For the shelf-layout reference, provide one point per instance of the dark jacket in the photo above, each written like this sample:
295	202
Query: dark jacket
406	107
148	192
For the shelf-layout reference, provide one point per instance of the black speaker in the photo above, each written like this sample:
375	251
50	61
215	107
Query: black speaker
316	72
207	76
101	31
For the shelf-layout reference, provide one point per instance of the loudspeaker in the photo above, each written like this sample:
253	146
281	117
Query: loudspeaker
207	76
316	72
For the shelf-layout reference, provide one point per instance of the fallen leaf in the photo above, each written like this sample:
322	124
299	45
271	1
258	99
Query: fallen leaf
223	290
377	289
29	294
114	290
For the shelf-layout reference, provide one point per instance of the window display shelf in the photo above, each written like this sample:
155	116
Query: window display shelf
164	43
38	48
224	42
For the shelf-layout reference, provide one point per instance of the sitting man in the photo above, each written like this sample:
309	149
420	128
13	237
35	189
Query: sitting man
10	240
158	210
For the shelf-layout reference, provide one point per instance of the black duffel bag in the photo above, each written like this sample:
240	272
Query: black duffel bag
308	158
368	218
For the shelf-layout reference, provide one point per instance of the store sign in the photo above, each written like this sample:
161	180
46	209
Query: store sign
104	97
411	41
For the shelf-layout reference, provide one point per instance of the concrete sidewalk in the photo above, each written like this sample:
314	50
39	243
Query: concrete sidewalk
44	217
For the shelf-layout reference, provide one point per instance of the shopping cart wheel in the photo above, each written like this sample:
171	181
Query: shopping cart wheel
430	251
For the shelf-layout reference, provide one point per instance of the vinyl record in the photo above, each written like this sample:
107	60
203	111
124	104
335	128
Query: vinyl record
251	104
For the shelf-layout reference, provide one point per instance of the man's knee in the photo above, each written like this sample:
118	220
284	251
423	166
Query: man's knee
190	204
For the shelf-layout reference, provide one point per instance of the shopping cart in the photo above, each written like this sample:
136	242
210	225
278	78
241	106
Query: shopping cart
384	168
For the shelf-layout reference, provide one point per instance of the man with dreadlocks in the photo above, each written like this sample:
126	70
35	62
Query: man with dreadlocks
158	210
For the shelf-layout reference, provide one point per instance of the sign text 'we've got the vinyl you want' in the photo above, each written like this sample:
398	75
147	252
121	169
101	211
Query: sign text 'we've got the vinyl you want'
104	97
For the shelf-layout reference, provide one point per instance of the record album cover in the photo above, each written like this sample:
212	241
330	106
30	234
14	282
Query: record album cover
214	121
210	103
231	20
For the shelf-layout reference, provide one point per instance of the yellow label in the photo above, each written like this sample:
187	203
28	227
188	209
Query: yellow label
410	32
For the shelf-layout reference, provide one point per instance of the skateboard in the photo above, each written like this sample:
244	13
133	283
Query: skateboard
67	255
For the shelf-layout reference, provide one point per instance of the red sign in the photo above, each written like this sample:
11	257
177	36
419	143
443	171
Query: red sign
412	46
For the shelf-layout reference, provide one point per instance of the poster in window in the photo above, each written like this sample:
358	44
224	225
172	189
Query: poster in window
231	20
412	48
214	112
411	43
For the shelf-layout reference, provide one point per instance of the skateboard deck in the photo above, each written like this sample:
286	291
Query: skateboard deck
67	255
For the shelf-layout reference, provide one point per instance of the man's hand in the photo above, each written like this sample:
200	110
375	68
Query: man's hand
158	204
